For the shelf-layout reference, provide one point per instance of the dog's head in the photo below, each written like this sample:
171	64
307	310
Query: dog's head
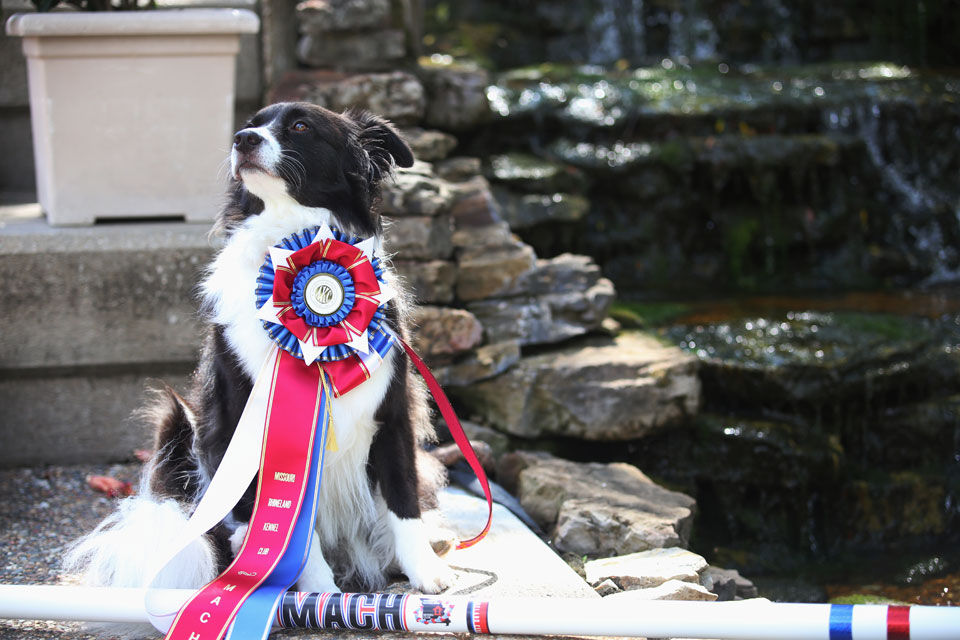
317	158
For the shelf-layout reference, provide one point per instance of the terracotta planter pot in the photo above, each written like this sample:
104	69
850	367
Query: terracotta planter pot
132	113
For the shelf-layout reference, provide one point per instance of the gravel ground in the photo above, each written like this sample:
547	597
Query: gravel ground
42	511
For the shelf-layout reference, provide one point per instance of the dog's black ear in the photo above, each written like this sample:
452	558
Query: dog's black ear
381	141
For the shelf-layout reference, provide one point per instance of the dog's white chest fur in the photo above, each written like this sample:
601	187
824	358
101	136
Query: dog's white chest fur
229	290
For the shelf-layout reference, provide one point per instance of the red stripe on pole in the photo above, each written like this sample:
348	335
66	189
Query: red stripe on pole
481	617
898	623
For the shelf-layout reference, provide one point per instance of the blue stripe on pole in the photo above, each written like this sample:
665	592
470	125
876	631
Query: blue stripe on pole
470	624
841	622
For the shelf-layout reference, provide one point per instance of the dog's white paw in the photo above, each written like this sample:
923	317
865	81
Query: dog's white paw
236	538
431	575
311	583
426	572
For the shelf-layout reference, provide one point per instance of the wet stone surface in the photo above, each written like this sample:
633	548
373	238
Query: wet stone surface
814	358
825	433
592	97
709	177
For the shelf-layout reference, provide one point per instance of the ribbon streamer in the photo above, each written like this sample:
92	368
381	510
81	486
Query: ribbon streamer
239	467
295	410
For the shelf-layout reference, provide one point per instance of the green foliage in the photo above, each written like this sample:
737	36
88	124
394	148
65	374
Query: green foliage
864	598
738	238
634	315
96	5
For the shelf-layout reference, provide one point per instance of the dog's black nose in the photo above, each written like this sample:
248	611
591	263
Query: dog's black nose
246	140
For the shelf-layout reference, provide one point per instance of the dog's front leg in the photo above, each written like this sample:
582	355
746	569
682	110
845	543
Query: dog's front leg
393	468
416	558
317	574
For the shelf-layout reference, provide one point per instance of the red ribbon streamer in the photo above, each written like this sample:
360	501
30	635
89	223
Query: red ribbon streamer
287	445
456	430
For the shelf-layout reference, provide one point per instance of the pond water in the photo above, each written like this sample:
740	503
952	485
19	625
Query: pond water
826	459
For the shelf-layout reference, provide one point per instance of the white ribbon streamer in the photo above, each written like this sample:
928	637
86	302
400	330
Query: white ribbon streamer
239	467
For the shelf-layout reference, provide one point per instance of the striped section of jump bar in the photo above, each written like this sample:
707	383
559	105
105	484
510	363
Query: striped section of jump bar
844	618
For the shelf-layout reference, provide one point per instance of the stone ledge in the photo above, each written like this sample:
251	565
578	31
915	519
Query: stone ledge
105	295
52	418
91	317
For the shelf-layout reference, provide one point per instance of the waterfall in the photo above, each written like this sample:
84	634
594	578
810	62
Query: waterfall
918	200
781	48
692	34
617	31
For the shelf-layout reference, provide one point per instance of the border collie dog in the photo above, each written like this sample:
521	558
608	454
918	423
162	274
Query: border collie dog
294	165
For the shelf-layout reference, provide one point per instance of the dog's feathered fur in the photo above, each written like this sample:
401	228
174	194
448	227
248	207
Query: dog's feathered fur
294	166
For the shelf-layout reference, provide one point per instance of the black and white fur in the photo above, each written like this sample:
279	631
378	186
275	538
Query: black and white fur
294	166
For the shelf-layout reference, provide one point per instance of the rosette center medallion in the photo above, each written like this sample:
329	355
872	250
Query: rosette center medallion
323	294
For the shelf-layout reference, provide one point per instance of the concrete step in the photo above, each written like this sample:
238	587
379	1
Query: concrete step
87	316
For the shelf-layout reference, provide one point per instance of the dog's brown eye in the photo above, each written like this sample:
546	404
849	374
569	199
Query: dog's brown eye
299	126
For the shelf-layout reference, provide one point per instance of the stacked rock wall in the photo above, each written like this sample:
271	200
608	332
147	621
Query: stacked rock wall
491	313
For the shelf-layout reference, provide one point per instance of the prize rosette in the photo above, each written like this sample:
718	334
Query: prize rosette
320	295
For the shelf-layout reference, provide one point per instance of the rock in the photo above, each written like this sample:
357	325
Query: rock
545	319
565	273
725	589
429	145
397	96
445	331
597	389
484	362
491	260
606	588
348	50
486	271
420	237
481	236
457	97
499	443
429	282
522	211
592	528
728	584
474	206
532	174
550	300
413	194
647	569
669	590
322	16
598	509
458	169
